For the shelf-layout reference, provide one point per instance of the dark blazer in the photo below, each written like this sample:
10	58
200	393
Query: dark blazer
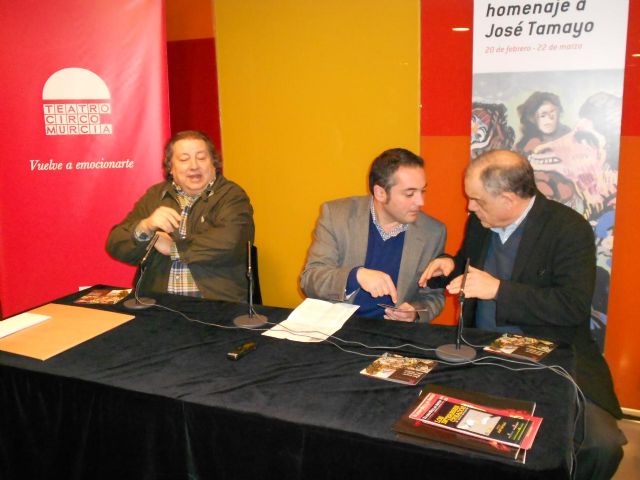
550	291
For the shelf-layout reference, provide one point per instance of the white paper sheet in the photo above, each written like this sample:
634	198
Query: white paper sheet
313	321
20	322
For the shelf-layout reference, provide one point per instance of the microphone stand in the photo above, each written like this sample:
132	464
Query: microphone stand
458	353
251	319
141	303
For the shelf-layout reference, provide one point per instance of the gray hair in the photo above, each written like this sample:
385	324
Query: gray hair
505	171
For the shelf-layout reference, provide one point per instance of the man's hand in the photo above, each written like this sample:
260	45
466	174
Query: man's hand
437	266
402	313
377	283
164	243
162	218
479	284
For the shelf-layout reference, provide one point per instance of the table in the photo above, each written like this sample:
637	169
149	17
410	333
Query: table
157	398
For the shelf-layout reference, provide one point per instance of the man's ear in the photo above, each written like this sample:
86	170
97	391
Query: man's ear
379	193
510	198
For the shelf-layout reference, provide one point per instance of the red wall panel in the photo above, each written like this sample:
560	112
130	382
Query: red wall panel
193	87
446	67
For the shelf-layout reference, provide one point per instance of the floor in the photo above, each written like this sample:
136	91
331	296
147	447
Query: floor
629	469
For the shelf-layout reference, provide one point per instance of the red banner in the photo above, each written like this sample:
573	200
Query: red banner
84	119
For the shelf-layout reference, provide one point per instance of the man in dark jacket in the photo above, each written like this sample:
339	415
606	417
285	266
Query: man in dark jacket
201	223
532	271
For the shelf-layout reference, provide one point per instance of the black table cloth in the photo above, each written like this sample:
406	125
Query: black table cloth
157	398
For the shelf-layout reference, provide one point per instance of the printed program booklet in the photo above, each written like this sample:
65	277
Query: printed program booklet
518	346
513	428
396	368
104	296
464	420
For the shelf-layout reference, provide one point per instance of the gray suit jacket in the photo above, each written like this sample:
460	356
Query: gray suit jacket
340	244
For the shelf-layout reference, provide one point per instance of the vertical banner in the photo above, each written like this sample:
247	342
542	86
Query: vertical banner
84	119
547	82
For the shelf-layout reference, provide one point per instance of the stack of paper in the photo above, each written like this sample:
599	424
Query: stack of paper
313	321
20	322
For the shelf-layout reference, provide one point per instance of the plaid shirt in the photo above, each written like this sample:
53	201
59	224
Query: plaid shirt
397	230
181	281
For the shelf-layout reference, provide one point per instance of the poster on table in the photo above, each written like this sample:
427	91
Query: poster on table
547	82
84	121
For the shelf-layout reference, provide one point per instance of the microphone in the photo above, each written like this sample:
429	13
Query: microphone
140	303
461	302
149	249
457	353
251	319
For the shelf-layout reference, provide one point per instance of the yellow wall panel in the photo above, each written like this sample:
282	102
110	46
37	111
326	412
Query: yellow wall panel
310	93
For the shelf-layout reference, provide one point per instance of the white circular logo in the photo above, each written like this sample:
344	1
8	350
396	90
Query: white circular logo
76	101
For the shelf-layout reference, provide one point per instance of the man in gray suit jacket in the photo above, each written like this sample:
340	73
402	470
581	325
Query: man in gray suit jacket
371	250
